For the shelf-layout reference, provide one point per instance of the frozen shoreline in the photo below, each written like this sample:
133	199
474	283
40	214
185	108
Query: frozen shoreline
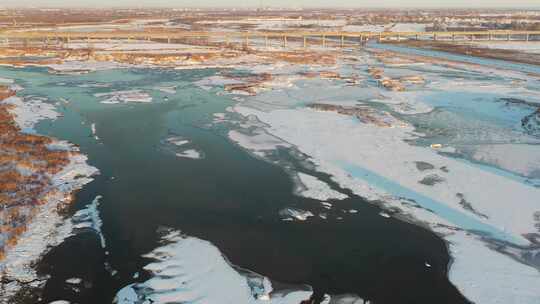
47	228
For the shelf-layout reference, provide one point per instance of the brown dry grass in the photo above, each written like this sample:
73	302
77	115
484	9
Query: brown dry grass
26	164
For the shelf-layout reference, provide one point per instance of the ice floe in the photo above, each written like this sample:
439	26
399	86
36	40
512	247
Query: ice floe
289	214
384	214
76	67
177	140
344	299
167	89
181	147
256	140
219	117
190	270
92	85
326	205
88	218
124	97
313	187
190	153
93	129
74	281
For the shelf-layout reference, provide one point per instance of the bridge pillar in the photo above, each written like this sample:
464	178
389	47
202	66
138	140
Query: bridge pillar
247	41
168	39
342	41
527	37
323	40
285	41
380	37
266	41
305	41
472	37
508	37
434	36
416	36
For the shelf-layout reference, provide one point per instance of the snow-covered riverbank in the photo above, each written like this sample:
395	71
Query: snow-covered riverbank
47	228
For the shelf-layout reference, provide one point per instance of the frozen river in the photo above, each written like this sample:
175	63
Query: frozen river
222	195
207	197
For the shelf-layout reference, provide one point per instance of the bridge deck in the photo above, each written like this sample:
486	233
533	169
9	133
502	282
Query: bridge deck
253	34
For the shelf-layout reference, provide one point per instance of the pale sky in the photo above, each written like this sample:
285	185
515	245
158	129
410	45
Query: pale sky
276	3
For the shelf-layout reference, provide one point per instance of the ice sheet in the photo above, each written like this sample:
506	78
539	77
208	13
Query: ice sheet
191	270
381	164
124	97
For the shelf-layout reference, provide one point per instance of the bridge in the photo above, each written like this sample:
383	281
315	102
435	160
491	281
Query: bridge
305	38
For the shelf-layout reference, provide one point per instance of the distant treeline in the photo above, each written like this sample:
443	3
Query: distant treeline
515	25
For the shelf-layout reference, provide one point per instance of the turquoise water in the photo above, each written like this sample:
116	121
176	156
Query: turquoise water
458	218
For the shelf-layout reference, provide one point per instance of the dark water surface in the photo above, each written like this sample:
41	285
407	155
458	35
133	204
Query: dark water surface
228	198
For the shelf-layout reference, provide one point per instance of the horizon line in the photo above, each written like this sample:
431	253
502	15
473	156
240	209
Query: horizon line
249	7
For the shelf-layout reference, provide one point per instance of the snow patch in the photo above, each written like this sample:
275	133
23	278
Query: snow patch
317	189
28	112
93	129
74	281
89	218
167	89
124	97
289	214
257	140
190	153
190	270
